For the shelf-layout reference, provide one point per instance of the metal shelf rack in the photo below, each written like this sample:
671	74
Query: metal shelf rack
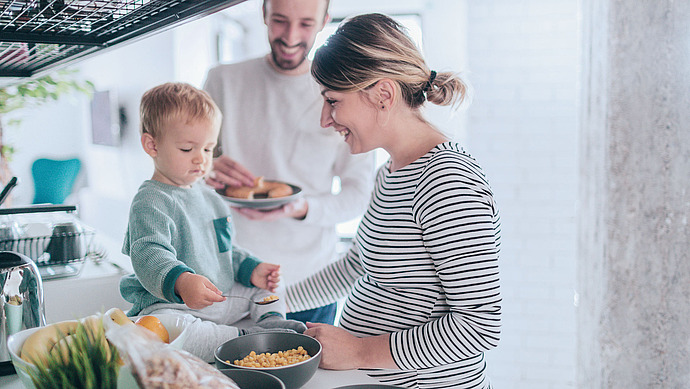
37	247
39	35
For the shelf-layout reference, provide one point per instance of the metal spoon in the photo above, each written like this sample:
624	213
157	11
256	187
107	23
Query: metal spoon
265	301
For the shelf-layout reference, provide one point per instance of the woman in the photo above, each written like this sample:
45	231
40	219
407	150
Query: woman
422	277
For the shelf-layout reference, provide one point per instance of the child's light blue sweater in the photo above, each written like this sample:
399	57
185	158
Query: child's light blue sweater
172	230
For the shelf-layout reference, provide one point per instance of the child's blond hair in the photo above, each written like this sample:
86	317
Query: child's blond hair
176	101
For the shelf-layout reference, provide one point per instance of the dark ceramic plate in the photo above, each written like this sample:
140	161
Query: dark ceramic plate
250	379
293	376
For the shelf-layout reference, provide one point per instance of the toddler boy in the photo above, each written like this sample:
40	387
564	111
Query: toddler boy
179	235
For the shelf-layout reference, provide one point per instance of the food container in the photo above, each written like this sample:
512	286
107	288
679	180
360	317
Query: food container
175	324
293	376
14	344
13	316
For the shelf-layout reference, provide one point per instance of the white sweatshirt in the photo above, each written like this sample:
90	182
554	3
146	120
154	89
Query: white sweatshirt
271	126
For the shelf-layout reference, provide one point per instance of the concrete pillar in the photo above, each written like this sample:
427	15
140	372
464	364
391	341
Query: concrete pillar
634	239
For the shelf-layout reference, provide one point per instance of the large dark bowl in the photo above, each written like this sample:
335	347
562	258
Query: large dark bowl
369	386
293	376
252	379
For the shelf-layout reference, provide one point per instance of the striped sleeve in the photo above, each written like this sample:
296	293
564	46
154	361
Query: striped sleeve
460	227
329	285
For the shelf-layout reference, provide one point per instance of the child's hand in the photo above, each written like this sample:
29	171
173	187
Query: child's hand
197	291
266	276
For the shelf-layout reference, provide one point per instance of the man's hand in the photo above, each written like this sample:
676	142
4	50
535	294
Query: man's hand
266	276
228	172
297	209
197	291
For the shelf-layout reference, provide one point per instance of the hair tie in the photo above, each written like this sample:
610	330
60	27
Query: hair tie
432	77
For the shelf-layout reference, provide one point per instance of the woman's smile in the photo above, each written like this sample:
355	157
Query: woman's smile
344	132
350	114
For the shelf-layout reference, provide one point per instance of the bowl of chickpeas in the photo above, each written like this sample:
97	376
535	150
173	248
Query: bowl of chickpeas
291	357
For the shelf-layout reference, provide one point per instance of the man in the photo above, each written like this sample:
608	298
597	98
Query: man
271	109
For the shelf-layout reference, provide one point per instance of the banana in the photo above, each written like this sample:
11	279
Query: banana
39	344
94	328
119	317
54	338
62	347
93	323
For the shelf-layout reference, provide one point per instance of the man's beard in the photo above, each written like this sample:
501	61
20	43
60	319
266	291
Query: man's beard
287	64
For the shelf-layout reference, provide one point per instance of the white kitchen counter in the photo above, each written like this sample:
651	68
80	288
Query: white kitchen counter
328	379
96	289
323	379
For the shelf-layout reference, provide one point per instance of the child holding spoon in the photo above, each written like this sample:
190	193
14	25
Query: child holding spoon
179	235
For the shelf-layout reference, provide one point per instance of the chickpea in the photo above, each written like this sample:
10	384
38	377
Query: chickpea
270	298
281	358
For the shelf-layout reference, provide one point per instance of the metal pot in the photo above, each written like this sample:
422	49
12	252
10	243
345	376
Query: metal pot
21	301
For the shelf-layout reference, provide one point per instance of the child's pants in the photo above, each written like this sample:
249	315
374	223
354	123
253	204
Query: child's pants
210	327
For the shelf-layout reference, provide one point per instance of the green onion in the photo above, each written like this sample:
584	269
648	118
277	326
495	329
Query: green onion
85	360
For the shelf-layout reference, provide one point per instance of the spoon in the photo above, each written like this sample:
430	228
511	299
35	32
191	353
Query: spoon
267	300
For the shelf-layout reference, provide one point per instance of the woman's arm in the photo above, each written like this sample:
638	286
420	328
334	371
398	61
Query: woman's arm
329	285
343	351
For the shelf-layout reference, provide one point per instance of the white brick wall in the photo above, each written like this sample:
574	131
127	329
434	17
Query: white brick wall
523	62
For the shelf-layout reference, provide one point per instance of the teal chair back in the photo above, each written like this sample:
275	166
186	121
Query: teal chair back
54	179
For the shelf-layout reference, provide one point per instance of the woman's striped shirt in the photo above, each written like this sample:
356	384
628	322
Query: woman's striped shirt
424	267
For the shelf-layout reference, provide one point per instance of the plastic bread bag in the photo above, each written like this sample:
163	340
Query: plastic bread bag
155	364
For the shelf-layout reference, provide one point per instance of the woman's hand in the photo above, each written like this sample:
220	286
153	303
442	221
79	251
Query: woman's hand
344	351
341	350
266	276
